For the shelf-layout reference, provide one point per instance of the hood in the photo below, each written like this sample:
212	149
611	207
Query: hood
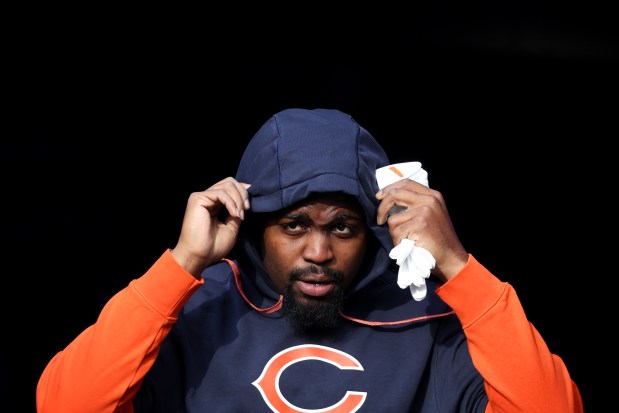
298	152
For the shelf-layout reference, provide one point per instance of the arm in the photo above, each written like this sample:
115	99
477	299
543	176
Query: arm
519	371
102	369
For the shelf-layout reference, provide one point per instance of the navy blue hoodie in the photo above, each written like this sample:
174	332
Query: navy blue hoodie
232	350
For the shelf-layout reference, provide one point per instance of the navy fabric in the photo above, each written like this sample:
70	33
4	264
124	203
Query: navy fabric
217	353
298	152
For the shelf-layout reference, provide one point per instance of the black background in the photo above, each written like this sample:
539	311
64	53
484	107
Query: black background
112	121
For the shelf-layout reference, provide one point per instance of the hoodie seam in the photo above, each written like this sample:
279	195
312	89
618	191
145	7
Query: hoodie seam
277	159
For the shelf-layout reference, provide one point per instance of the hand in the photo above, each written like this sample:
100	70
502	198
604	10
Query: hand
204	237
424	220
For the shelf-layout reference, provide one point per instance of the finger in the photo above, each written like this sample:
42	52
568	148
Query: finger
401	227
389	209
394	200
233	224
403	195
233	194
402	184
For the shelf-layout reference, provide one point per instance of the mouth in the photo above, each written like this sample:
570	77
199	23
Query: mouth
316	285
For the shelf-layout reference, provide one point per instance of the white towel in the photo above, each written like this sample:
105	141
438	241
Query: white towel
415	262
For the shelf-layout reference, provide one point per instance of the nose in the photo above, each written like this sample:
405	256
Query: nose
317	248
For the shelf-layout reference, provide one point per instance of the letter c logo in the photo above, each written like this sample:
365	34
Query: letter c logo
268	382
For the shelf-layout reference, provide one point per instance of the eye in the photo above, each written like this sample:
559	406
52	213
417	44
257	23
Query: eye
293	227
342	229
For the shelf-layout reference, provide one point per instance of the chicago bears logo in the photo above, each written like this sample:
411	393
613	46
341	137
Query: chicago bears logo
268	382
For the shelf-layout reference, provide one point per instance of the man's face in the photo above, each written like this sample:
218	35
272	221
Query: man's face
313	252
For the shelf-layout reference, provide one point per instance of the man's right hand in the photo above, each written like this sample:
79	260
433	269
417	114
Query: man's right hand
205	238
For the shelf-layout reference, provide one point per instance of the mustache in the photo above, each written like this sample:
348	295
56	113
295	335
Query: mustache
335	275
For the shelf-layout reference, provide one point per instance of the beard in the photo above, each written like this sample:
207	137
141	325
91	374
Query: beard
314	314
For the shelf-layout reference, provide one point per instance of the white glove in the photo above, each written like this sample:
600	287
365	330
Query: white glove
415	262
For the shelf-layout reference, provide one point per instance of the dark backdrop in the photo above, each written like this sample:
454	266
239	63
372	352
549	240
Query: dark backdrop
109	128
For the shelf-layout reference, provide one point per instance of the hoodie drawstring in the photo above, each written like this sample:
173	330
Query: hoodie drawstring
237	279
278	305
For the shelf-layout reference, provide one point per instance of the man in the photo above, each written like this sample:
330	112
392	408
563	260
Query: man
281	296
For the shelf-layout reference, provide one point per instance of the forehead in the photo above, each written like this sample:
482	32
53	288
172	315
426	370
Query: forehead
326	199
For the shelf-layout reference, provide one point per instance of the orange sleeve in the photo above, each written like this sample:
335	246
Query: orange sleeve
519	371
102	369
